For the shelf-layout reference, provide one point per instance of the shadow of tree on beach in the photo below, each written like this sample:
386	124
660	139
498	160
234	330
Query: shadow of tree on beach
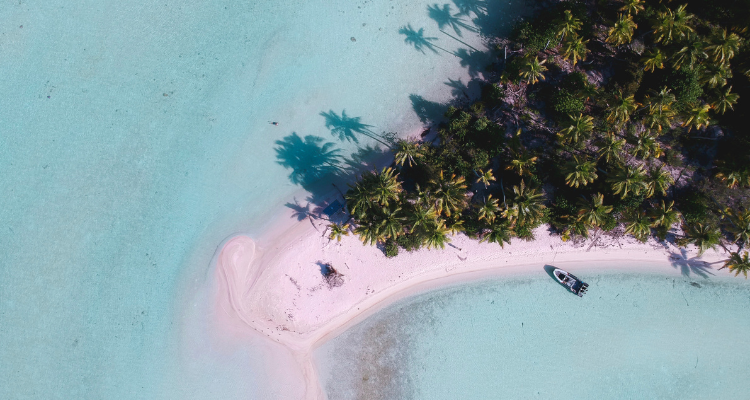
688	265
466	7
419	40
475	62
428	111
347	128
310	159
445	18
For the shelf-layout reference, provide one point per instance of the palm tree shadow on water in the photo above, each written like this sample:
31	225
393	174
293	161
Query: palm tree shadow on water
419	40
347	128
445	18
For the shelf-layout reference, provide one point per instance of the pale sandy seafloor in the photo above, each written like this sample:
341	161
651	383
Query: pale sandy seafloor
135	137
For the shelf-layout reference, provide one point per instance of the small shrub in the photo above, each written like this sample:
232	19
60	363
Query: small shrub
563	102
391	248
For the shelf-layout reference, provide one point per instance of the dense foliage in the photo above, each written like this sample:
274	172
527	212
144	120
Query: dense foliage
609	115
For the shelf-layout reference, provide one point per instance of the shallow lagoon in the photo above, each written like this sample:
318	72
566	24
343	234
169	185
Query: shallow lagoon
633	336
135	137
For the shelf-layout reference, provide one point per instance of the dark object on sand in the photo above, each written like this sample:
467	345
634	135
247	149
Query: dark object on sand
575	285
333	278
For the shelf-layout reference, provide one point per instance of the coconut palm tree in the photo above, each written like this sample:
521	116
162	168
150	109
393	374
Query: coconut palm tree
637	223
672	25
658	181
338	231
738	263
664	215
449	194
723	46
702	236
610	148
715	75
532	70
499	232
725	100
436	235
632	6
486	177
568	25
522	163
622	31
653	59
386	187
391	222
407	151
369	232
698	117
579	171
574	48
526	205
488	210
660	113
593	212
739	225
359	197
627	179
645	145
420	216
621	108
577	130
690	55
734	178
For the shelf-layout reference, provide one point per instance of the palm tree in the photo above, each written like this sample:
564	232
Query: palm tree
532	70
522	163
488	210
725	100
715	75
449	194
645	145
610	149
436	235
621	108
672	25
574	48
698	117
499	233
658	181
580	172
407	151
632	6
386	187
637	224
739	225
702	236
359	197
735	178
568	25
622	32
593	212
660	113
723	46
654	59
391	225
738	264
338	231
369	232
486	177
420	216
578	129
690	55
525	206
665	215
627	179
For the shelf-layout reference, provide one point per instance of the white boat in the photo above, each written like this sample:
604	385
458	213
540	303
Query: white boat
575	285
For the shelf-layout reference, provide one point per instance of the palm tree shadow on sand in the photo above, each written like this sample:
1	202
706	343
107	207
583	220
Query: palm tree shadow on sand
429	112
680	260
347	128
419	40
445	18
466	7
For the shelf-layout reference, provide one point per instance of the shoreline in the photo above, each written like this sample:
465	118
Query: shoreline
273	284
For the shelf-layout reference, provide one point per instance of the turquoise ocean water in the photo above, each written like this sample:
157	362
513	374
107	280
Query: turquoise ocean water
135	137
631	337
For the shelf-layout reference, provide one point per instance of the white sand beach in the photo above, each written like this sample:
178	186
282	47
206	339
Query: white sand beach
275	286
